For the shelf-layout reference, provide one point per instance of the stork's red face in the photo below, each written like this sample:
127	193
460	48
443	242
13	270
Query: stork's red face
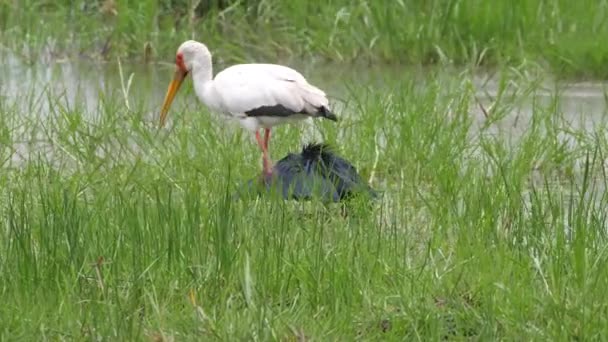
180	73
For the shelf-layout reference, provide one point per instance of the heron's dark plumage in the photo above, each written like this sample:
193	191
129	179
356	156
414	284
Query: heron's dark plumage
316	171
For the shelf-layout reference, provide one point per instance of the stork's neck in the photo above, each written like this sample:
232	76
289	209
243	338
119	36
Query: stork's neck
202	73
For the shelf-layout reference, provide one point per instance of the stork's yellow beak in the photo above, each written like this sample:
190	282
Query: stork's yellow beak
178	78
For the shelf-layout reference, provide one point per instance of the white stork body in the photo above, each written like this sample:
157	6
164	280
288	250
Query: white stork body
242	89
258	95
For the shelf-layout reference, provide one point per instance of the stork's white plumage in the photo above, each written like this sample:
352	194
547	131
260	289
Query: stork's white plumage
257	95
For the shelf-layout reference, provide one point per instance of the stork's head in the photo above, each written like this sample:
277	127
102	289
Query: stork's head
186	57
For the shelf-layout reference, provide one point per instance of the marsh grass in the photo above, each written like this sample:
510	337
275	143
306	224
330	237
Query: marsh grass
562	36
126	232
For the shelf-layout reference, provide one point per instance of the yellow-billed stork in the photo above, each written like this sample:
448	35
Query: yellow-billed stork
258	95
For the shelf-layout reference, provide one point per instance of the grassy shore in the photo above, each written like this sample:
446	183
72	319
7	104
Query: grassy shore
124	232
563	36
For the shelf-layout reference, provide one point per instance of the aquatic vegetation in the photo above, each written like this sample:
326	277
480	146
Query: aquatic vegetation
561	35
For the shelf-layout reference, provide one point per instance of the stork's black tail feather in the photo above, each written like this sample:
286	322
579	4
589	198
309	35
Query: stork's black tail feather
316	171
326	113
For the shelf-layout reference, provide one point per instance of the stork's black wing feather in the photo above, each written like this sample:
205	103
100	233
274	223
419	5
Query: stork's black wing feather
273	111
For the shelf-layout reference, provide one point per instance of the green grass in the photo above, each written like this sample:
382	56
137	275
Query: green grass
125	232
563	36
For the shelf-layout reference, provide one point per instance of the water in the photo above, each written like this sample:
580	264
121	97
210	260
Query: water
83	83
76	84
583	105
33	91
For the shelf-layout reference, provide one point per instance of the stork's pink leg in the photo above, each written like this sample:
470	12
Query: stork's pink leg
267	164
266	142
266	137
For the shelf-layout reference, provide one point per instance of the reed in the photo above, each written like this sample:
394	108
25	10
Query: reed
559	35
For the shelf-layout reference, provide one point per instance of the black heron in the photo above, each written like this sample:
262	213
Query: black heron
317	171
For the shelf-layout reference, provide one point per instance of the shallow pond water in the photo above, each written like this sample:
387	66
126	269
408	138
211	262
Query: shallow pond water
83	83
31	90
